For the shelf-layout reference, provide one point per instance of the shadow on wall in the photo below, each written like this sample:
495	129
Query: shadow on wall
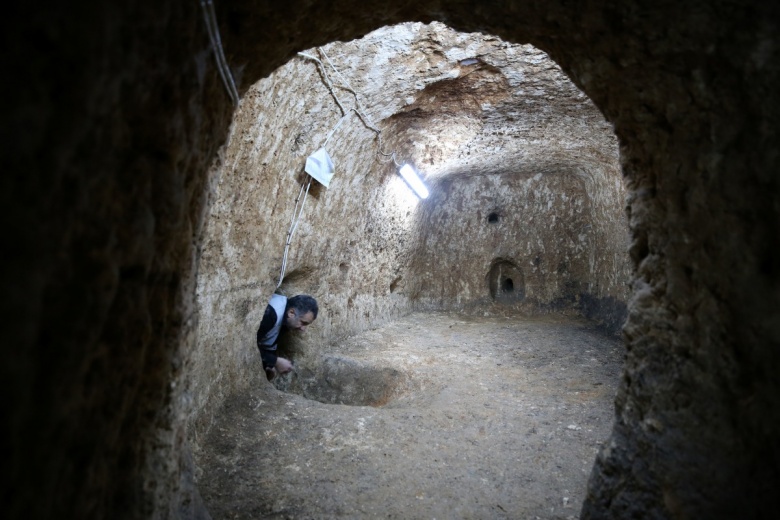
608	313
506	285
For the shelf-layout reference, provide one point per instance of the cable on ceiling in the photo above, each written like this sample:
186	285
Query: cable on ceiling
216	43
359	110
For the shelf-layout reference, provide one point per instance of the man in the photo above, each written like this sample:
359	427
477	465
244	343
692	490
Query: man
283	314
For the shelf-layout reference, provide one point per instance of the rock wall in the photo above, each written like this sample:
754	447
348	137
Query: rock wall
365	247
542	226
114	113
347	246
109	129
524	172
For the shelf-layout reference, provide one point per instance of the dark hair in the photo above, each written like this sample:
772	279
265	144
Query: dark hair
302	304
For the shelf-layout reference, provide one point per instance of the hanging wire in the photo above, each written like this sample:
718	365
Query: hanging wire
360	111
296	218
341	120
326	79
392	158
216	43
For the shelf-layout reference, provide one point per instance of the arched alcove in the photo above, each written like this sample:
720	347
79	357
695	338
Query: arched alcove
110	138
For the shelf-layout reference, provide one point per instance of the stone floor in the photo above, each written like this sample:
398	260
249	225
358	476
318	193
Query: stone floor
479	418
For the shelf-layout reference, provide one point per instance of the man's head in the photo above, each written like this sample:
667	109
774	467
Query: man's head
300	312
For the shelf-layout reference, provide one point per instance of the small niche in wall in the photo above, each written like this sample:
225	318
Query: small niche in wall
507	286
493	217
301	280
505	281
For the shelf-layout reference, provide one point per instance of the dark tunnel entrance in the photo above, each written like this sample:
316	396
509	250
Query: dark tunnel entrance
115	138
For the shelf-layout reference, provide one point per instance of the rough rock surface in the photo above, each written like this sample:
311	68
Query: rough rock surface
114	111
469	417
493	128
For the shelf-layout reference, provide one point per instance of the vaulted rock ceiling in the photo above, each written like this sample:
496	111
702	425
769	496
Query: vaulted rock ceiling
115	120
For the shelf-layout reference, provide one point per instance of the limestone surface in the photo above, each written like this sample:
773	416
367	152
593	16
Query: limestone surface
463	417
113	129
492	128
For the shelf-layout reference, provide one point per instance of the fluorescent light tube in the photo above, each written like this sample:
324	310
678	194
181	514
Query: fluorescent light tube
410	176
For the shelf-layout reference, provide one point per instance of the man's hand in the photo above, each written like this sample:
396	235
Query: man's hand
283	365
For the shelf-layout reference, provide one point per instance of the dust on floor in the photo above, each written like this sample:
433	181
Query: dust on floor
487	418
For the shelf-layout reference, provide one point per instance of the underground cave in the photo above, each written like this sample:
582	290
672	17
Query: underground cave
116	137
493	129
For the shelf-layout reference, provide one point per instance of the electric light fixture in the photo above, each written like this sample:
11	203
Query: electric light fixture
413	180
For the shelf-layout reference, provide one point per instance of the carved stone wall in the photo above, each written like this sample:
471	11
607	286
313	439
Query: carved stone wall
366	247
114	115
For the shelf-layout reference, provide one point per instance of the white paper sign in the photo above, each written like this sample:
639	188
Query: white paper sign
320	166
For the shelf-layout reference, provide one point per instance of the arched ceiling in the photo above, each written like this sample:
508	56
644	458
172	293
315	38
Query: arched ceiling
455	103
118	114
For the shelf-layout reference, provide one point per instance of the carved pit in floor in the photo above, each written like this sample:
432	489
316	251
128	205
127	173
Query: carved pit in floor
483	411
342	380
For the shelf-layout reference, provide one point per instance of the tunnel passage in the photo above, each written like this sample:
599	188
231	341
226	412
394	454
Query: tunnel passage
110	139
519	185
367	247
